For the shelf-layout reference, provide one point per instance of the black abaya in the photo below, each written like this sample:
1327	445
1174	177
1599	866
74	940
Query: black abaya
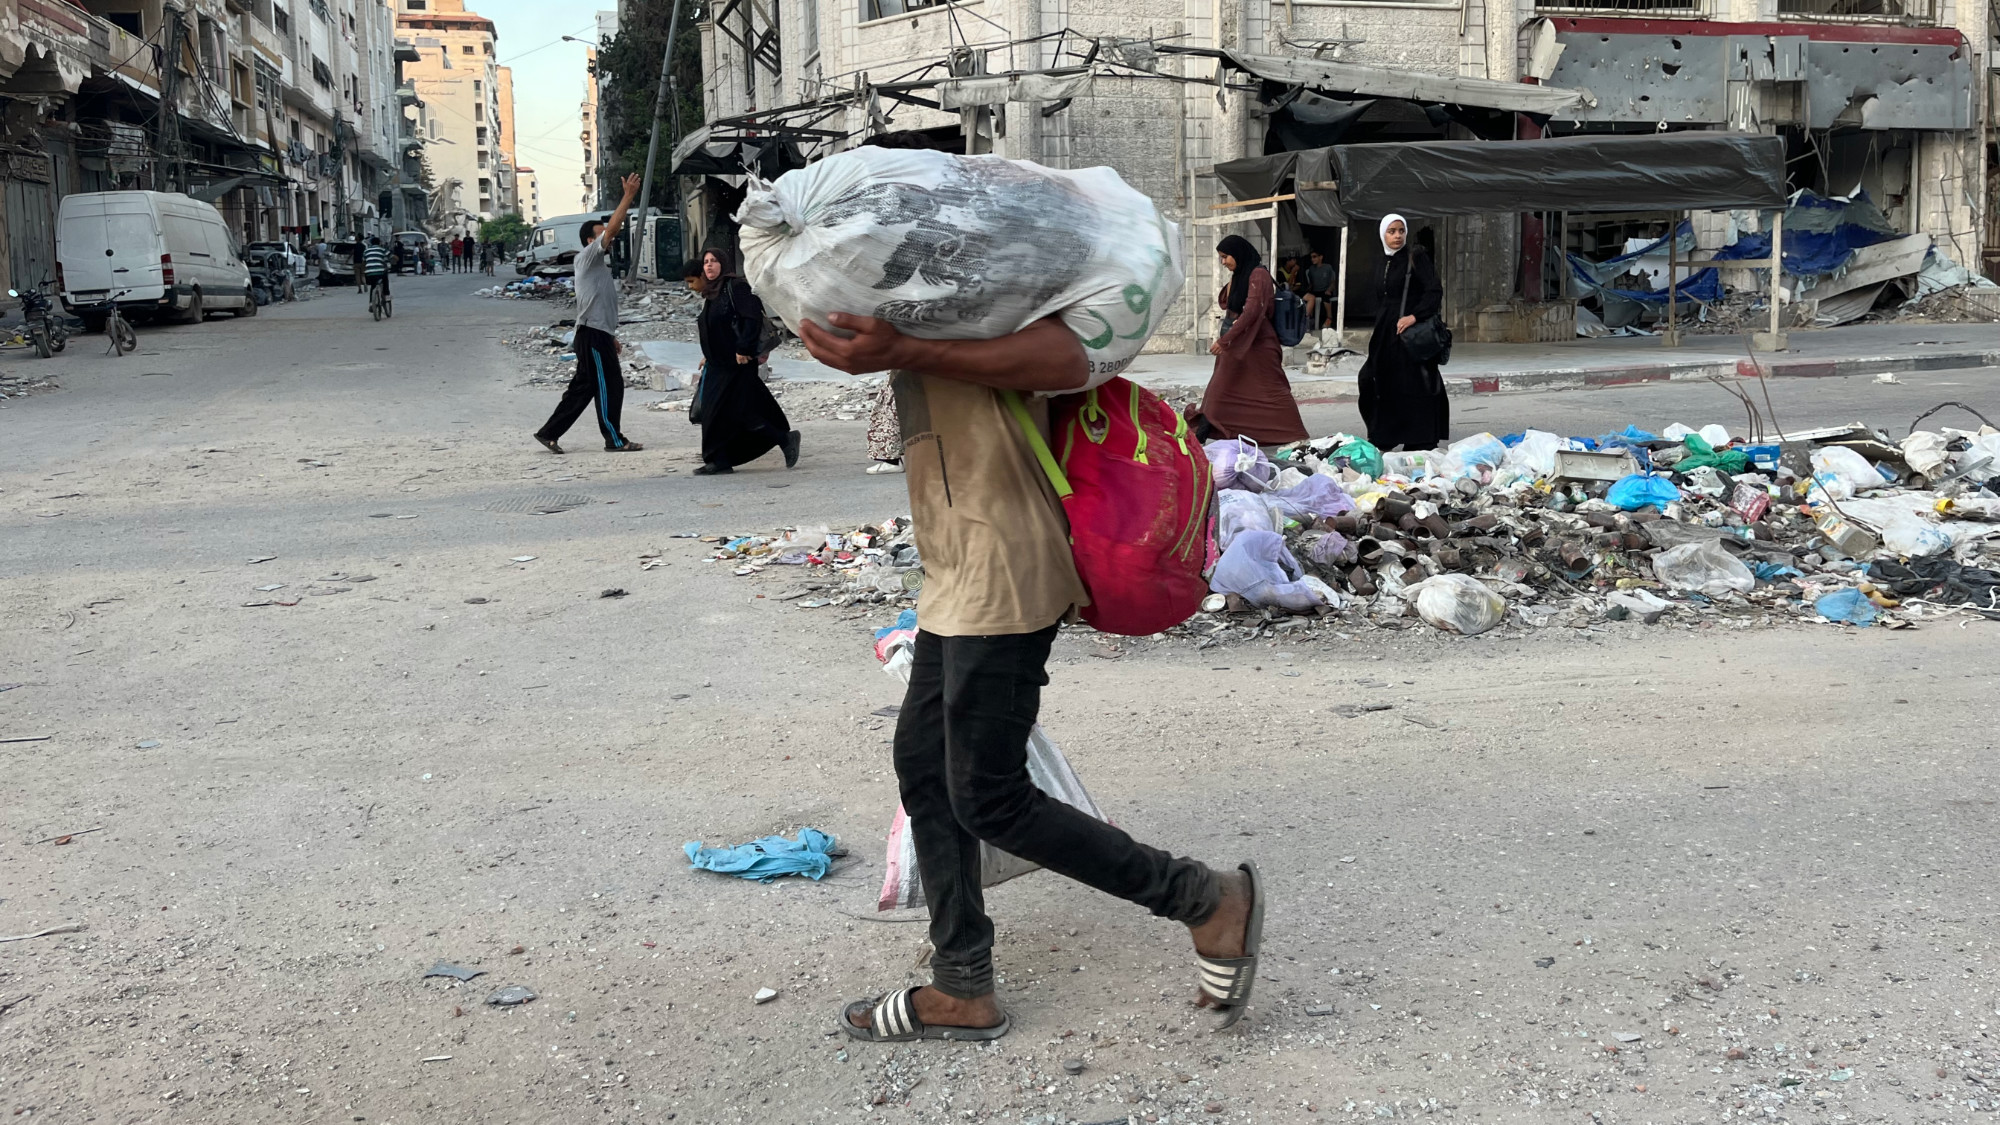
744	421
1403	401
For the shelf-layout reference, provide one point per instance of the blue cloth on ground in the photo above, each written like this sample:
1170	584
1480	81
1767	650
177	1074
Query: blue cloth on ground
1771	572
768	858
1848	605
904	620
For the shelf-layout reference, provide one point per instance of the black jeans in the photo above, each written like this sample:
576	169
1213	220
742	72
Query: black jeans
961	762
597	377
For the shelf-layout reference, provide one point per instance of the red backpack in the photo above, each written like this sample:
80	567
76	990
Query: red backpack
1136	487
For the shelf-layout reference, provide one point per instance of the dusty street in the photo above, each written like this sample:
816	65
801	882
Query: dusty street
1620	874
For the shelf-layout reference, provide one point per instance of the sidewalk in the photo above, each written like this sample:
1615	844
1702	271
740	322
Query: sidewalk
1866	349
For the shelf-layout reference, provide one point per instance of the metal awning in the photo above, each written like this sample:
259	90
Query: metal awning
1412	85
1604	172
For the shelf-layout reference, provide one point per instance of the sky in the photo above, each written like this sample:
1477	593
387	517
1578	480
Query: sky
548	88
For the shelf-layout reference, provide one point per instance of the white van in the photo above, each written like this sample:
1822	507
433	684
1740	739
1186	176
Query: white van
153	252
553	245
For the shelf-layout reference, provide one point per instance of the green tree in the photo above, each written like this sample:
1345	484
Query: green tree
630	65
509	231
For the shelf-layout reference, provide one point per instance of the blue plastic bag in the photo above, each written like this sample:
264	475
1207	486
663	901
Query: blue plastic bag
768	858
1849	605
904	620
1641	491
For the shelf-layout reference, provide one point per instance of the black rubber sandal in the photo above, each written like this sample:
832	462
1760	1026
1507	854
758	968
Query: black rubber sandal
549	444
1227	981
892	1018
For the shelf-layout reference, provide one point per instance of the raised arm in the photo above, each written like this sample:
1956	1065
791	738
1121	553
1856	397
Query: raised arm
617	220
1044	356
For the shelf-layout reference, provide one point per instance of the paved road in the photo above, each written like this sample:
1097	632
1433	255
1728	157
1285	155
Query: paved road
1620	874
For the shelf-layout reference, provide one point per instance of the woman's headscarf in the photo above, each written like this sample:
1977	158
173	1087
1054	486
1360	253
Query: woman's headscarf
1247	259
1382	232
713	289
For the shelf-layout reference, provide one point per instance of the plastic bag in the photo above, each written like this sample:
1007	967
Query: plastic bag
1714	435
1457	603
1915	538
963	247
1361	454
1237	511
1704	568
1051	772
1702	454
1258	567
1642	491
1848	466
1481	450
1047	768
1535	453
1238	463
1316	496
1925	452
1331	549
1847	605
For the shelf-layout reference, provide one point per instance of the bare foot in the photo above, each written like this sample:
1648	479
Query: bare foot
935	1008
1226	931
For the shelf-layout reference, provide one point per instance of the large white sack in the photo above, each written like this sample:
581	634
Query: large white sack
963	247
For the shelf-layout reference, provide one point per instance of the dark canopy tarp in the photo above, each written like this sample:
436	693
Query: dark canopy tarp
1653	172
1256	177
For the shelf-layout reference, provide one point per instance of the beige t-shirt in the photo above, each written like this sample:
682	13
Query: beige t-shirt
990	527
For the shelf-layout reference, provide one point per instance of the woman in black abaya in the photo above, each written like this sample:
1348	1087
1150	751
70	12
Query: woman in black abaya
1402	398
743	422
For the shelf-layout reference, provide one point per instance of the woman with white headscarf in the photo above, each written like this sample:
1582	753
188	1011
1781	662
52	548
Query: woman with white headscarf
1402	398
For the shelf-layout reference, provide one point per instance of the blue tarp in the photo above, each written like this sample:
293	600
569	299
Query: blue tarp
1594	277
1821	234
768	858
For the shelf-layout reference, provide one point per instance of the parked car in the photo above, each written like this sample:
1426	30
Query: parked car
166	253
336	266
412	241
295	260
552	247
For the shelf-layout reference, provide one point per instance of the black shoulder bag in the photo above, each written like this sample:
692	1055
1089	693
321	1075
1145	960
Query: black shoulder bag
1429	340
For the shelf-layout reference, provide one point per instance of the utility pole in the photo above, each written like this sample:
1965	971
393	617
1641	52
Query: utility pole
644	242
170	173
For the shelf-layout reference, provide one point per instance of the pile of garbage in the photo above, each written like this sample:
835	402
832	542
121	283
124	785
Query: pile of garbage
1537	529
876	564
536	288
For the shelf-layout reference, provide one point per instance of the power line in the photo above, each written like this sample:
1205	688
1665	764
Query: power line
524	54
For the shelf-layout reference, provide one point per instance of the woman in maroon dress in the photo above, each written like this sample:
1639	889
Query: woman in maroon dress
1248	396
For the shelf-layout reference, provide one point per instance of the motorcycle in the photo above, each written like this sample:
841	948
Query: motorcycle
45	329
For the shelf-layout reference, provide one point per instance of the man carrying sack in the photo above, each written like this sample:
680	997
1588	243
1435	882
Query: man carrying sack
998	581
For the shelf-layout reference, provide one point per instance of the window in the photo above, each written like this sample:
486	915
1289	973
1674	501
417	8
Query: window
476	86
485	186
322	75
482	158
480	135
414	5
479	112
281	21
467	49
128	21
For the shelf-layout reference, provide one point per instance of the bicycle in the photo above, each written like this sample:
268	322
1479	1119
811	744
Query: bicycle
116	328
378	299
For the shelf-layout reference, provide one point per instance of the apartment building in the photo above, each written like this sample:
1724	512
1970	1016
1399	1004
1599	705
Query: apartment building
466	137
590	133
529	190
282	113
1888	96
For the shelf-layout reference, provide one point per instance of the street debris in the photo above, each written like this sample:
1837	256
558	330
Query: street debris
66	837
764	996
28	738
512	995
811	855
613	592
455	972
71	928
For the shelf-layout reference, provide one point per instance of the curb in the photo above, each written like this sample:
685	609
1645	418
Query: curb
1578	377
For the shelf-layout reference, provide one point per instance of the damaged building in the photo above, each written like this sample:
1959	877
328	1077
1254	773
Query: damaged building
285	114
1202	104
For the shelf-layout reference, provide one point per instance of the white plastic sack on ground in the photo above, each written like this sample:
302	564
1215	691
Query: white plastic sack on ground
1051	772
1457	603
1925	452
1714	435
1258	567
1914	537
1848	465
1678	431
1237	511
1703	567
963	247
1535	452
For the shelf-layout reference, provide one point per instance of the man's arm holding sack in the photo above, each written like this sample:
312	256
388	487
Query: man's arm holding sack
1045	356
